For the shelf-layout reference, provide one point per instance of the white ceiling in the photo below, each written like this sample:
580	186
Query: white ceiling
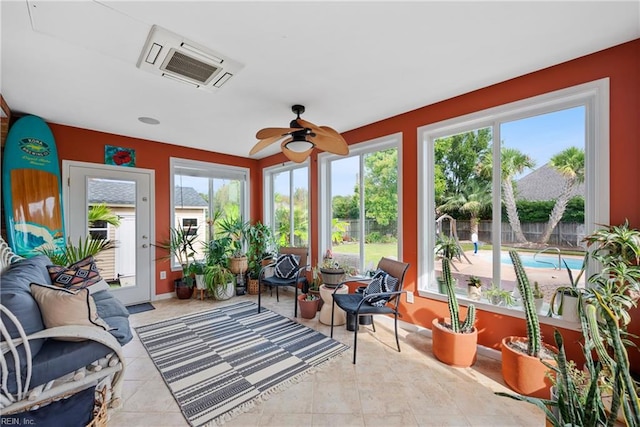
349	63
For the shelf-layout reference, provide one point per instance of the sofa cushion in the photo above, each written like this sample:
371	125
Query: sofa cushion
65	307
112	311
58	358
15	295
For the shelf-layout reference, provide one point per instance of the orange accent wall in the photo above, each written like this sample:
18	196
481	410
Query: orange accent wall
621	64
88	146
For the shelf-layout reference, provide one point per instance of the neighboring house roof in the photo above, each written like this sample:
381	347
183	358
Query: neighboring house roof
544	183
123	193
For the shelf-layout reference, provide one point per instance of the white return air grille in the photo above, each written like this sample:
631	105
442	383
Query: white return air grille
171	56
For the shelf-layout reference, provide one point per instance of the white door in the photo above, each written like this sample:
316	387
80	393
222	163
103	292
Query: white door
127	192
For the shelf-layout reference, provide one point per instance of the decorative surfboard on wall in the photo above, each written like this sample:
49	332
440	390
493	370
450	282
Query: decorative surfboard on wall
31	188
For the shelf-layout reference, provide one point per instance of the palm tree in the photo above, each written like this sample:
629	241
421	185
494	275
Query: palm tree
101	212
512	162
473	198
570	164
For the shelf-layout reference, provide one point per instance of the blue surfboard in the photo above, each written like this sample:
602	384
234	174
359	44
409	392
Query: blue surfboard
31	188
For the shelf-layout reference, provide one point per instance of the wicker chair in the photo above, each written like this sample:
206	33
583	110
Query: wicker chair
18	394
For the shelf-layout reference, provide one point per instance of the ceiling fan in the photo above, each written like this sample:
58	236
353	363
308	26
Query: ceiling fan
301	138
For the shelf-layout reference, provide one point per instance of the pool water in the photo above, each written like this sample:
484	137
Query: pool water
542	261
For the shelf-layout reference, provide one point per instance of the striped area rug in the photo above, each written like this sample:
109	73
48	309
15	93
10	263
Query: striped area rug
219	362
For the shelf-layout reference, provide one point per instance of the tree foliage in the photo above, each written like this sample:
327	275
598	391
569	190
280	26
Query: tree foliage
381	186
456	158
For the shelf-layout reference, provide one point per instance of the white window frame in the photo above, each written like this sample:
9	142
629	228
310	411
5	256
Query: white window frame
209	170
324	188
268	213
594	96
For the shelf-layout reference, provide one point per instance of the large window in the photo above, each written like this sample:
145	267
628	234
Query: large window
530	176
286	204
203	191
359	203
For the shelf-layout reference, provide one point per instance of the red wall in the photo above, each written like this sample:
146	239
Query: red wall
88	146
621	64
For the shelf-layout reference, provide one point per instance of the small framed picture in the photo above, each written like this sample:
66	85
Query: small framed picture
119	156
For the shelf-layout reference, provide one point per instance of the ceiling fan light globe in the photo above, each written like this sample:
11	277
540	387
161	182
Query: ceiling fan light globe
299	146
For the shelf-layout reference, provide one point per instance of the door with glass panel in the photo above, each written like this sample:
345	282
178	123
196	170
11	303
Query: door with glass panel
109	202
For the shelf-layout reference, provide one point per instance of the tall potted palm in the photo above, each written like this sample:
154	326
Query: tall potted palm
179	246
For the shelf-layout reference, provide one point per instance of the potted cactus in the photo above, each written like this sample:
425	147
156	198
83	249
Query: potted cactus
454	342
523	368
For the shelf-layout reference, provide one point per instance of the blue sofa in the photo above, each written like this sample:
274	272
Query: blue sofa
52	367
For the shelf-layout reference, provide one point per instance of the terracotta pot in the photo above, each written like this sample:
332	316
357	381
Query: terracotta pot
453	349
308	309
523	373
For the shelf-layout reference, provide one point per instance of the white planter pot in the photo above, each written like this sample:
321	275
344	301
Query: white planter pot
539	302
200	281
224	292
474	293
570	309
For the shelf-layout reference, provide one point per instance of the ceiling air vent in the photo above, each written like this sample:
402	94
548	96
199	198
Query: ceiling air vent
170	55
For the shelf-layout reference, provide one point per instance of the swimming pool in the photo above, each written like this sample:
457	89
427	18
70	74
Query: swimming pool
543	261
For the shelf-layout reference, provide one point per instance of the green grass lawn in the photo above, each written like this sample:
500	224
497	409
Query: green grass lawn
373	251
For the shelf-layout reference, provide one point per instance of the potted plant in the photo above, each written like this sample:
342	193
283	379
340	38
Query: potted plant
219	281
308	305
525	360
497	296
474	288
197	269
333	273
236	230
261	245
72	253
538	296
454	342
578	395
446	248
567	296
314	286
180	245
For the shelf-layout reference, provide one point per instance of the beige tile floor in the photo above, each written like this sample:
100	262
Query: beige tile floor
384	388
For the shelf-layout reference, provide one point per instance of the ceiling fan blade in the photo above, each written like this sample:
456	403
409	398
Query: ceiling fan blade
294	156
270	132
314	128
335	145
264	143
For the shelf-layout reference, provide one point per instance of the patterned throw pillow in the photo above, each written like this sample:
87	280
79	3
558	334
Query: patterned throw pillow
380	282
287	266
79	275
64	307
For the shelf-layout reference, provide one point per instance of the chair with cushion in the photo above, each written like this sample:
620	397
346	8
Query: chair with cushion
289	270
381	296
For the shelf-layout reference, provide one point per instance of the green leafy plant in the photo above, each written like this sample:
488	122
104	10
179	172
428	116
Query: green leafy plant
261	243
216	277
236	230
474	281
179	244
496	295
72	253
447	247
